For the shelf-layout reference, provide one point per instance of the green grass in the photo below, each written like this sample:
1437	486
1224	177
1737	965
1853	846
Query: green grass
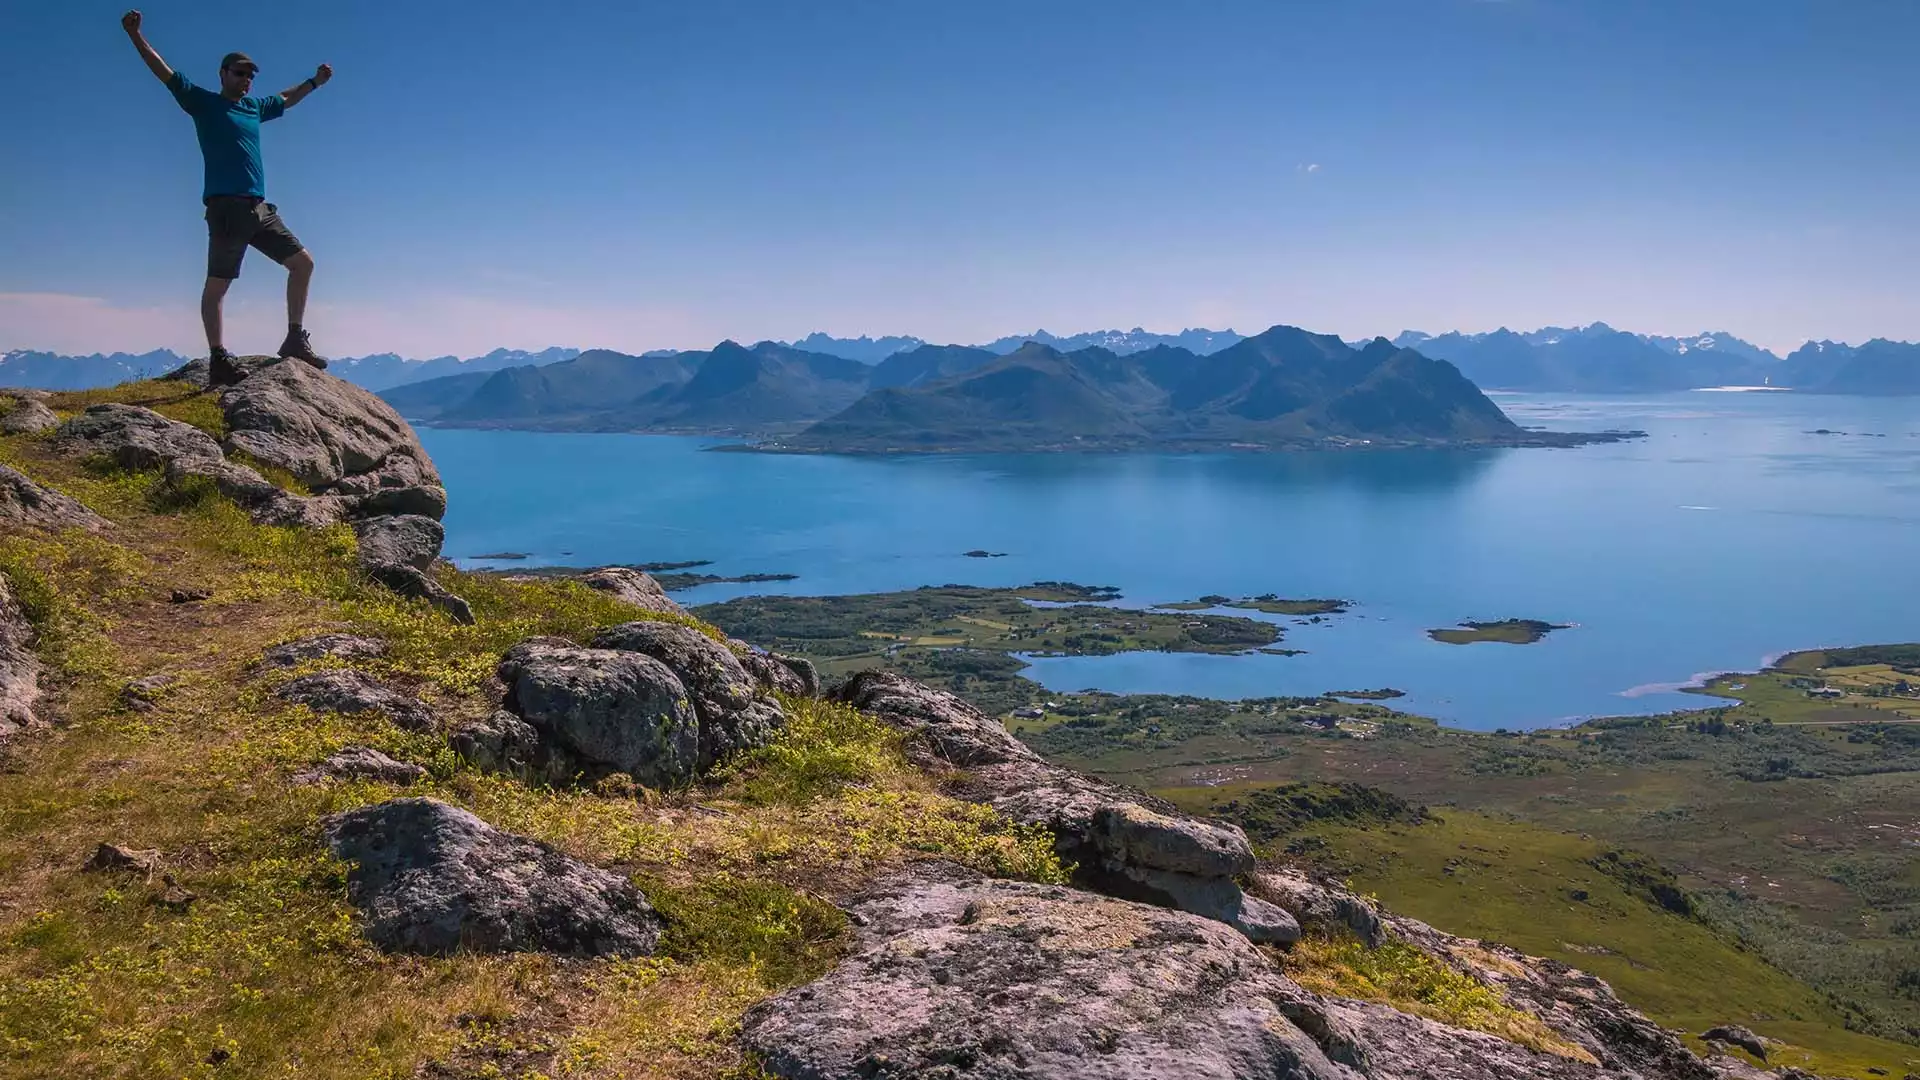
1543	893
1414	981
263	973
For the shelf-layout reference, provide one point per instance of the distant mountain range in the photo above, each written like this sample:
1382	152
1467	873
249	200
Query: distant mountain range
1589	359
1597	359
1121	342
1284	388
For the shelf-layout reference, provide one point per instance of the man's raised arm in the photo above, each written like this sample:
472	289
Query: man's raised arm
130	22
292	97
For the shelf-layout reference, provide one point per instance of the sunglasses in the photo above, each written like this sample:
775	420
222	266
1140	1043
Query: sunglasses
246	73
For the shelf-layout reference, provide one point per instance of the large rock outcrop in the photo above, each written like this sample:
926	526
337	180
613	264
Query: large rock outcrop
24	503
338	438
1124	843
954	977
433	878
19	668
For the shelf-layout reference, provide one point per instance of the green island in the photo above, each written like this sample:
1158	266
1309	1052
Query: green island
1268	603
970	639
1506	631
1743	863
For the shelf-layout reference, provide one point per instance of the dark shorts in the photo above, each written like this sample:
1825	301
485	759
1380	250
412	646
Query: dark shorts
236	221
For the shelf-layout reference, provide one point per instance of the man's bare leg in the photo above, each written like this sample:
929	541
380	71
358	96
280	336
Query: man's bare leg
210	298
299	277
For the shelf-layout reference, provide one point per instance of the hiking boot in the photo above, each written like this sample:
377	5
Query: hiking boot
221	370
299	346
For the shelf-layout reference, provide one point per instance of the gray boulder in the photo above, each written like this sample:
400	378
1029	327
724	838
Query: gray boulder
1735	1035
338	438
143	694
19	667
405	539
412	582
343	690
1123	843
632	586
344	646
27	504
433	878
615	710
25	415
1320	906
264	501
133	437
361	763
794	675
503	742
734	712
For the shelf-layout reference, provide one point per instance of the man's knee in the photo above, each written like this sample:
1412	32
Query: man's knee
300	262
216	288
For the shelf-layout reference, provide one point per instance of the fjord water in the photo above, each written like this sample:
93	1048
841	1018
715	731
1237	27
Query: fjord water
1730	534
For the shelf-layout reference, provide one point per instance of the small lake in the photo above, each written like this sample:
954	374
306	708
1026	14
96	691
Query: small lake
1731	534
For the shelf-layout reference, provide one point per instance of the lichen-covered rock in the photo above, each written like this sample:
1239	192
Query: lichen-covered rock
26	504
264	501
794	675
361	763
343	646
113	858
734	712
615	710
25	415
957	976
433	878
344	690
414	583
1123	843
19	667
405	539
133	437
142	694
1321	906
632	586
1216	898
1735	1035
502	742
338	438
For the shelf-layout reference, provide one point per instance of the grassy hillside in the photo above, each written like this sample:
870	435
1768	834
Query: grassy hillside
1584	903
244	960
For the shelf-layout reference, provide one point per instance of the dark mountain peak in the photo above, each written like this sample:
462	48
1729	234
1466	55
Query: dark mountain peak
1034	350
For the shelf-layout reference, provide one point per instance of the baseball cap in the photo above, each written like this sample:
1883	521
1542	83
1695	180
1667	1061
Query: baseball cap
235	60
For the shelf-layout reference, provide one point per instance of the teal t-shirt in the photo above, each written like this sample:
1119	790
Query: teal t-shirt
229	136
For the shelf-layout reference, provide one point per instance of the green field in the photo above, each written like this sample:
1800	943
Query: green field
1558	895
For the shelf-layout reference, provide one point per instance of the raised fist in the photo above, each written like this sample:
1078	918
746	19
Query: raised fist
130	22
324	73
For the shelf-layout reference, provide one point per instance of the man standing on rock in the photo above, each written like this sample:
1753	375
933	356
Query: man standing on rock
238	214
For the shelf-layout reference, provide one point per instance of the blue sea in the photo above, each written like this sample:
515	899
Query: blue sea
1731	534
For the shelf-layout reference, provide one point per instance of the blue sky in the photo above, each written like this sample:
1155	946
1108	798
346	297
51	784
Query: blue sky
665	175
